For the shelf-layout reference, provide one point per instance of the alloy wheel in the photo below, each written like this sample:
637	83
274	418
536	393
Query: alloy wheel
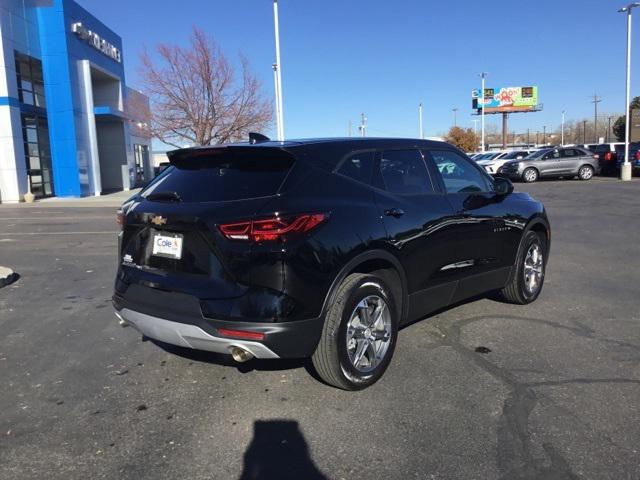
368	333
530	175
586	173
533	269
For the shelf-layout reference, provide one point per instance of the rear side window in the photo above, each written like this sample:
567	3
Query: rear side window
221	176
570	152
404	172
359	166
459	175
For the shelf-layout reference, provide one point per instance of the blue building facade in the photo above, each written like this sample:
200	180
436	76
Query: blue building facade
69	125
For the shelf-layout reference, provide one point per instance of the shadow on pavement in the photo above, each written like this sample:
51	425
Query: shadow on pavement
278	450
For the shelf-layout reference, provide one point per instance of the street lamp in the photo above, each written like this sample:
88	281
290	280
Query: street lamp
625	170
278	75
455	116
483	75
420	116
562	134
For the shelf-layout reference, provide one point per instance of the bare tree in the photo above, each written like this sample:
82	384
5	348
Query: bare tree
196	96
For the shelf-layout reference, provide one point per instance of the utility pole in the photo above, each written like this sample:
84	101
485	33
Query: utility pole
609	127
537	141
363	125
483	75
584	132
562	134
544	134
528	142
596	100
455	116
420	120
278	68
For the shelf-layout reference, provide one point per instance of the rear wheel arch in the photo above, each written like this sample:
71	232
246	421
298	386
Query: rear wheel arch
375	262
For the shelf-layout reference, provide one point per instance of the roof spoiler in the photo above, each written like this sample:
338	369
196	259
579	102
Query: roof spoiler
255	137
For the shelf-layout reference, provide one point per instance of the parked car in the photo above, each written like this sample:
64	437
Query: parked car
634	157
607	155
320	248
493	166
553	162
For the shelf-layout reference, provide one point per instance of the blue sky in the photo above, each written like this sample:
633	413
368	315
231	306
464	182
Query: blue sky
344	57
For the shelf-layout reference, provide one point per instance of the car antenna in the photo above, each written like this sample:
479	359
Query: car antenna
257	138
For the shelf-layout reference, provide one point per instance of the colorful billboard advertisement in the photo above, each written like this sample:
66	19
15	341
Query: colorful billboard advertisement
506	99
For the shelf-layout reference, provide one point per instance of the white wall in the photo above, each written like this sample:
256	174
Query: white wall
16	32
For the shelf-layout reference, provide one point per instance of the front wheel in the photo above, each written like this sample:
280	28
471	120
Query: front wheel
530	175
359	334
585	172
528	278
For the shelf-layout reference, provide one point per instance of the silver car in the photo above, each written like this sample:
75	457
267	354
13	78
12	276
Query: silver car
553	162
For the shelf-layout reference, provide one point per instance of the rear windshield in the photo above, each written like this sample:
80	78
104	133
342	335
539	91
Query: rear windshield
218	177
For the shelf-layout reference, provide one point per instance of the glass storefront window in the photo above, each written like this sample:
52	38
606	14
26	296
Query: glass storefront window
30	80
37	154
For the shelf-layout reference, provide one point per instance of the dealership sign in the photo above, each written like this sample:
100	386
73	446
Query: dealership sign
96	41
506	99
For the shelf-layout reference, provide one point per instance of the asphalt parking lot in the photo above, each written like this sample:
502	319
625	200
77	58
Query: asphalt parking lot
557	396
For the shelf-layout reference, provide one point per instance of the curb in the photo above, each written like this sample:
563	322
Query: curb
7	276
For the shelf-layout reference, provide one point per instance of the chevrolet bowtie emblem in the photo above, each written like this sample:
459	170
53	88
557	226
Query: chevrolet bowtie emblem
158	220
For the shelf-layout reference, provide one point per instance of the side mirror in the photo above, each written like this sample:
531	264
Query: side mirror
502	186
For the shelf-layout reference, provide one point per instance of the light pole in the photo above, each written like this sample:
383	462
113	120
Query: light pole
278	71
562	129
455	116
483	75
625	170
420	120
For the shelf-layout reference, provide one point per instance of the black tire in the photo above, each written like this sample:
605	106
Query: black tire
331	358
586	172
516	291
530	175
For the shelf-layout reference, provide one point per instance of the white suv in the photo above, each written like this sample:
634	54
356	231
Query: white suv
493	165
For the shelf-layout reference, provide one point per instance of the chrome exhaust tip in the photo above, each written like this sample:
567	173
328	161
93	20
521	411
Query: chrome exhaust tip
241	355
121	321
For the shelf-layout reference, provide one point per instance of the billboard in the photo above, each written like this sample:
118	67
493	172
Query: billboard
506	99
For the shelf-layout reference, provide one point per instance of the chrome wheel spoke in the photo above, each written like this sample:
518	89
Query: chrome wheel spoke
361	349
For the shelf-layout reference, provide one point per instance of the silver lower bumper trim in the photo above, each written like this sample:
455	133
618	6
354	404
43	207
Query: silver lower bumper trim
190	336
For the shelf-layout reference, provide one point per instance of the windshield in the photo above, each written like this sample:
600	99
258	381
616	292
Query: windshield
537	154
512	155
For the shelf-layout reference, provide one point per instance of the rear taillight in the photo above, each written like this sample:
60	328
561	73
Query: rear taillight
608	156
120	218
637	155
596	156
272	229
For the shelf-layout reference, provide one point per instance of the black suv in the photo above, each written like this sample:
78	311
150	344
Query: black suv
320	248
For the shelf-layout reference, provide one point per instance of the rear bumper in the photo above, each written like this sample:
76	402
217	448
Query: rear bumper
187	327
189	336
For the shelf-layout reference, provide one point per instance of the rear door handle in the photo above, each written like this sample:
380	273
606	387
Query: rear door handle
394	212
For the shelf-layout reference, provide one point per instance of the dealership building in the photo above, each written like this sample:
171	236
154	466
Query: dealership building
69	125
